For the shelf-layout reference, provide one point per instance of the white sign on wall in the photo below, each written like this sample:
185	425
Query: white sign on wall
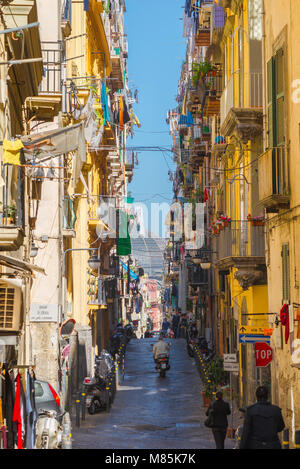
43	313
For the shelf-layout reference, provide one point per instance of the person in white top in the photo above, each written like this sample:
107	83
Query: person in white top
160	347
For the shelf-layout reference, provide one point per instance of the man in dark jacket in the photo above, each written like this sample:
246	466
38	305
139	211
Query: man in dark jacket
220	411
262	423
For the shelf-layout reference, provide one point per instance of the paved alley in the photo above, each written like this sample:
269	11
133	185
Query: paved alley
150	412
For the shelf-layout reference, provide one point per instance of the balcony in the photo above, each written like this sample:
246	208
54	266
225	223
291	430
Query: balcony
197	276
47	104
11	227
117	68
213	83
241	106
202	38
273	179
218	142
242	246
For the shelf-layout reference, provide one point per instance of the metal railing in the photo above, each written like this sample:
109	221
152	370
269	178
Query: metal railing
213	82
273	170
243	90
241	239
52	62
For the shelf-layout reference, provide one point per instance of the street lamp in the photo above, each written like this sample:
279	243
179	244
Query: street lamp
94	262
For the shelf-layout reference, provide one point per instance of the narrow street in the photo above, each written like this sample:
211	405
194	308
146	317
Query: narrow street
150	412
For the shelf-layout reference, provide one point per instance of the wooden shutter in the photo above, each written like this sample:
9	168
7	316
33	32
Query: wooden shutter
270	102
280	101
285	273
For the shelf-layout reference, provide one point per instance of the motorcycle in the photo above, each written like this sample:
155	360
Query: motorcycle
99	394
53	430
190	347
162	364
96	395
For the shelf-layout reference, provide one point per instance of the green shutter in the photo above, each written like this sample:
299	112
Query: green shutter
280	101
285	273
270	102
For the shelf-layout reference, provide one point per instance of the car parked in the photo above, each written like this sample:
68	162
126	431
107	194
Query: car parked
46	397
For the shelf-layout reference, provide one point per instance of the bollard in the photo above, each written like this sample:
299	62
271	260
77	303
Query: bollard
286	439
83	405
297	439
67	432
77	409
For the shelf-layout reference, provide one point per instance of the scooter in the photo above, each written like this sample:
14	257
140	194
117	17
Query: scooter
53	430
96	395
190	347
162	364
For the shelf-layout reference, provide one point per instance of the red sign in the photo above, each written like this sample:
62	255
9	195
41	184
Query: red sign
263	354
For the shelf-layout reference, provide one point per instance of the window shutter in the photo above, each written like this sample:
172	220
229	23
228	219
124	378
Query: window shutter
280	101
285	273
270	101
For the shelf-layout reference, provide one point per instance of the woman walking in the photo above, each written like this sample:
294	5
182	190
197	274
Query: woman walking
220	409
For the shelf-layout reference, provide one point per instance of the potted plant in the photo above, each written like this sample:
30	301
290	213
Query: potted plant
225	220
10	214
256	221
207	394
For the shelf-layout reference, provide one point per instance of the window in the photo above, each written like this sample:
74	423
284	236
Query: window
276	99
285	273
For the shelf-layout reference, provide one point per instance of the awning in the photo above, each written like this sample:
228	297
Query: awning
58	142
13	263
123	238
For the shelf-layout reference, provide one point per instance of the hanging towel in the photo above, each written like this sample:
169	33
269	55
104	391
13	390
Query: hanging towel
12	152
121	117
31	413
104	103
17	413
298	322
284	318
8	406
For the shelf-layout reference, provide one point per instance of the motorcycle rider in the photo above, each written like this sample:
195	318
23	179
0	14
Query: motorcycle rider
160	347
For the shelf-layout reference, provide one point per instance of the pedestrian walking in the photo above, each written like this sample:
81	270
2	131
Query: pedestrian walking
220	409
183	326
165	326
263	421
175	323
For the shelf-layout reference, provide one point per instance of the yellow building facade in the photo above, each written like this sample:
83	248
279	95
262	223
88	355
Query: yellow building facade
279	195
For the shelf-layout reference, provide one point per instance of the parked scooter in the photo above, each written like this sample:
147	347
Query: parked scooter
98	393
190	346
53	430
129	332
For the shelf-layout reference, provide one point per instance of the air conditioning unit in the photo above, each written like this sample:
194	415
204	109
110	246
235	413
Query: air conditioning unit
10	305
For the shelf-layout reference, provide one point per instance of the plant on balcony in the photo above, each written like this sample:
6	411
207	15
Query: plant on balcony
225	220
256	221
201	70
10	214
214	229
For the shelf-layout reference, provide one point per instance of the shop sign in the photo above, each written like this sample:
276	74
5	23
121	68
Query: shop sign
43	312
